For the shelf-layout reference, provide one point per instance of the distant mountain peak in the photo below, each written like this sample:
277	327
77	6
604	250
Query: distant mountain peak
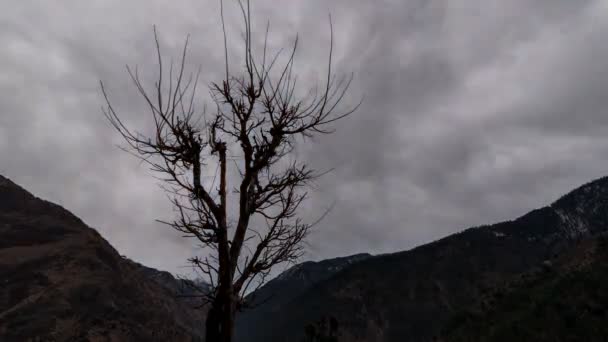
583	210
588	192
11	194
329	266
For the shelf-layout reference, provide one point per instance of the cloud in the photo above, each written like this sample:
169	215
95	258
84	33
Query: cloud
473	113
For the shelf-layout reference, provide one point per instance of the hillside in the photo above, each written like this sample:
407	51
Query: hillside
272	298
539	277
412	295
566	300
61	281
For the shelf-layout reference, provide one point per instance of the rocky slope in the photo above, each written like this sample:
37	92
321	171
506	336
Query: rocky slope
412	295
61	281
565	300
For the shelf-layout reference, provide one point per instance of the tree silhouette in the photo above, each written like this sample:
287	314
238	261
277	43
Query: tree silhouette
258	119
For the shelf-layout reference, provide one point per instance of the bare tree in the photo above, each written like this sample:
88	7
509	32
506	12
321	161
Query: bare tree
257	122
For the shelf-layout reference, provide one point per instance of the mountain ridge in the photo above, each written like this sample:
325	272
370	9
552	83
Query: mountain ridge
63	281
410	294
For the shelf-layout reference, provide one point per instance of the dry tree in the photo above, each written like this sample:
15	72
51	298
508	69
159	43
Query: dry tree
259	114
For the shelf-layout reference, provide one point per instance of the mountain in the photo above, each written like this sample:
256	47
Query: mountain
61	281
540	277
412	295
566	300
187	289
272	298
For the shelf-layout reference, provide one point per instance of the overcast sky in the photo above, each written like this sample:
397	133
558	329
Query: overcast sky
474	111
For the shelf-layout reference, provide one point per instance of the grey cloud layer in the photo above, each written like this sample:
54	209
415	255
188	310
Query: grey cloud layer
473	112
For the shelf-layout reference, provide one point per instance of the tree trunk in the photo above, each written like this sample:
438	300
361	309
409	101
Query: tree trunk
228	324
220	318
212	327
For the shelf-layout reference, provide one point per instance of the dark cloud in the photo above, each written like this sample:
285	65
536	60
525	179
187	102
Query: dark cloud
473	112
